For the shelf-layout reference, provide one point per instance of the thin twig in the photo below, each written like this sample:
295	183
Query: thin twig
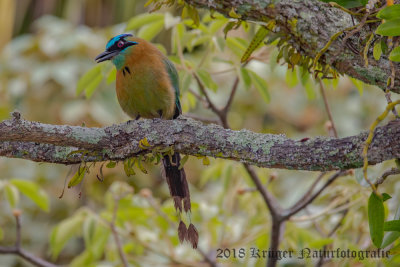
231	96
115	233
199	97
271	202
299	206
387	173
158	210
18	250
357	29
310	190
276	213
207	258
327	211
17	215
323	260
204	92
328	110
339	223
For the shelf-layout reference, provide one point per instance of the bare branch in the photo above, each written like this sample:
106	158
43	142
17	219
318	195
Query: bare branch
386	174
271	202
231	95
204	92
301	205
328	110
54	143
18	250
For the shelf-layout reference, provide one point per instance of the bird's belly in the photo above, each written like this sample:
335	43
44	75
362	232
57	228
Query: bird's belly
148	100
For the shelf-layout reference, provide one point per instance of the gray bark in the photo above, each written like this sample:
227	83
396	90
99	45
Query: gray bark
53	143
308	25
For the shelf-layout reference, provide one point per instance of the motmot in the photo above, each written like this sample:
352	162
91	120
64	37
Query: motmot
147	86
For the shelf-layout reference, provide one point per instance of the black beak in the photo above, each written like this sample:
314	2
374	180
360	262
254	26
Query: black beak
106	55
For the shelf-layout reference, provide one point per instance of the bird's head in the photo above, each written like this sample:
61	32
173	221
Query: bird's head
115	47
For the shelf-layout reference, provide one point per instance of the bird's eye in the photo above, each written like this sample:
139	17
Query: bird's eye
120	44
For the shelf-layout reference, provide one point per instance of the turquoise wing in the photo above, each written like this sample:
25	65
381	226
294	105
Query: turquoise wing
173	75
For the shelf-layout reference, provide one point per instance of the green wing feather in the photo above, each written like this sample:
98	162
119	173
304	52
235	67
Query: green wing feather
173	75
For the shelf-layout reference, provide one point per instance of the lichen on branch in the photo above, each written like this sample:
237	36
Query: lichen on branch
308	25
72	144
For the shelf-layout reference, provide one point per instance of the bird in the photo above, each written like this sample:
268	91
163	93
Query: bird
147	86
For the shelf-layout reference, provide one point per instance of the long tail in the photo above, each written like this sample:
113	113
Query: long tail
178	187
177	183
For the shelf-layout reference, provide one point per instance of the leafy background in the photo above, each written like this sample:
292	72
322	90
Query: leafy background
48	73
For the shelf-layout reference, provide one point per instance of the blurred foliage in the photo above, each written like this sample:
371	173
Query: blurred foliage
47	72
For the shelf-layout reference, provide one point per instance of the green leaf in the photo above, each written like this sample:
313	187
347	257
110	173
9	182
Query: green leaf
260	84
229	26
88	230
217	25
200	40
86	258
183	161
143	19
208	82
237	45
384	46
63	232
392	226
191	12
33	192
149	31
95	236
359	85
255	43
206	161
111	164
377	51
128	167
112	75
138	164
376	218
385	197
245	77
291	77
90	80
389	28
1	234
389	12
12	194
348	3
310	90
389	238
395	54
78	177
320	243
395	250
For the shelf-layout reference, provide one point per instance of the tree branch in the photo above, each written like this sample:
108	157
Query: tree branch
18	250
114	231
54	143
309	25
307	199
